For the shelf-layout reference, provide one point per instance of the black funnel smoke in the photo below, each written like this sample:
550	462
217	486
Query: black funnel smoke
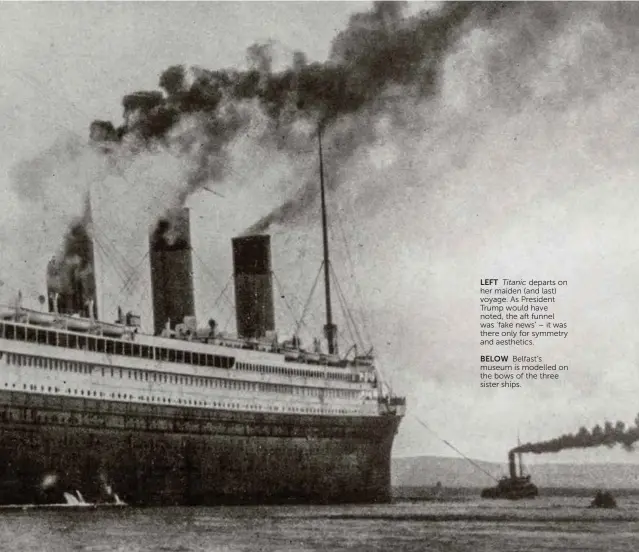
380	50
608	435
71	284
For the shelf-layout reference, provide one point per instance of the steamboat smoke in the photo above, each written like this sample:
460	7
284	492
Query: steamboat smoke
608	435
376	63
72	273
381	59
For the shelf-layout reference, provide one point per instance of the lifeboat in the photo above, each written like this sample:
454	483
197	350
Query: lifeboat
332	360
78	324
7	312
291	354
111	330
311	358
40	318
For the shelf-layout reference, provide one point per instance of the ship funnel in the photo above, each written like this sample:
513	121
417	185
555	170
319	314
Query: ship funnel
511	465
71	287
172	271
253	286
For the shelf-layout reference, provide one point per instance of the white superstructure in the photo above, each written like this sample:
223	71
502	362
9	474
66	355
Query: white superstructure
40	354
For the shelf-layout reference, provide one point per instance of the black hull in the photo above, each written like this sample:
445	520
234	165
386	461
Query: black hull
163	455
518	489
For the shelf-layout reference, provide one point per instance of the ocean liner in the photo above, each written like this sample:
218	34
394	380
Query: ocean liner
188	415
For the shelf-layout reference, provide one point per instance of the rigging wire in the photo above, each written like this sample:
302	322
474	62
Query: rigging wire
144	295
283	296
299	260
358	289
308	301
131	283
223	292
140	301
347	313
111	253
135	275
99	245
109	244
380	374
132	273
210	273
125	272
423	424
349	323
226	323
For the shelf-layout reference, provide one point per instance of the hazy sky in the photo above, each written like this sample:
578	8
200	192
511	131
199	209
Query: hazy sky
523	164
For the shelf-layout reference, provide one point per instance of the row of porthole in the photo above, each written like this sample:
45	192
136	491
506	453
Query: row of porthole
164	400
191	402
54	419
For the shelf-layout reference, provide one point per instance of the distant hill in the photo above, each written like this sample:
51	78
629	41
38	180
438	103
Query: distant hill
426	471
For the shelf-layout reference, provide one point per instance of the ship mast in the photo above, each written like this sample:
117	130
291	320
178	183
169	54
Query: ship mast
330	329
94	304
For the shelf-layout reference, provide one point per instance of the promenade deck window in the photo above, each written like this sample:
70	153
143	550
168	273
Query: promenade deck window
61	338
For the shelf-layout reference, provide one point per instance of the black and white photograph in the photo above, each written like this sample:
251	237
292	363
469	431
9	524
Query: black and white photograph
287	276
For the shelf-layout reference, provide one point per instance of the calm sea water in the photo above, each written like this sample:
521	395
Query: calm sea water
549	523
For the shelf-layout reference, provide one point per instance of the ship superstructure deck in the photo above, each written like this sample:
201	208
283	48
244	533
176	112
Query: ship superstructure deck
159	370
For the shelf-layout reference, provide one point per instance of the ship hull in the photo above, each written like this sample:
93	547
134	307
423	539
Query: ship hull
166	455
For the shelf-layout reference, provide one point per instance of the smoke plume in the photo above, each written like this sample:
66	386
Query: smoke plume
608	435
378	62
